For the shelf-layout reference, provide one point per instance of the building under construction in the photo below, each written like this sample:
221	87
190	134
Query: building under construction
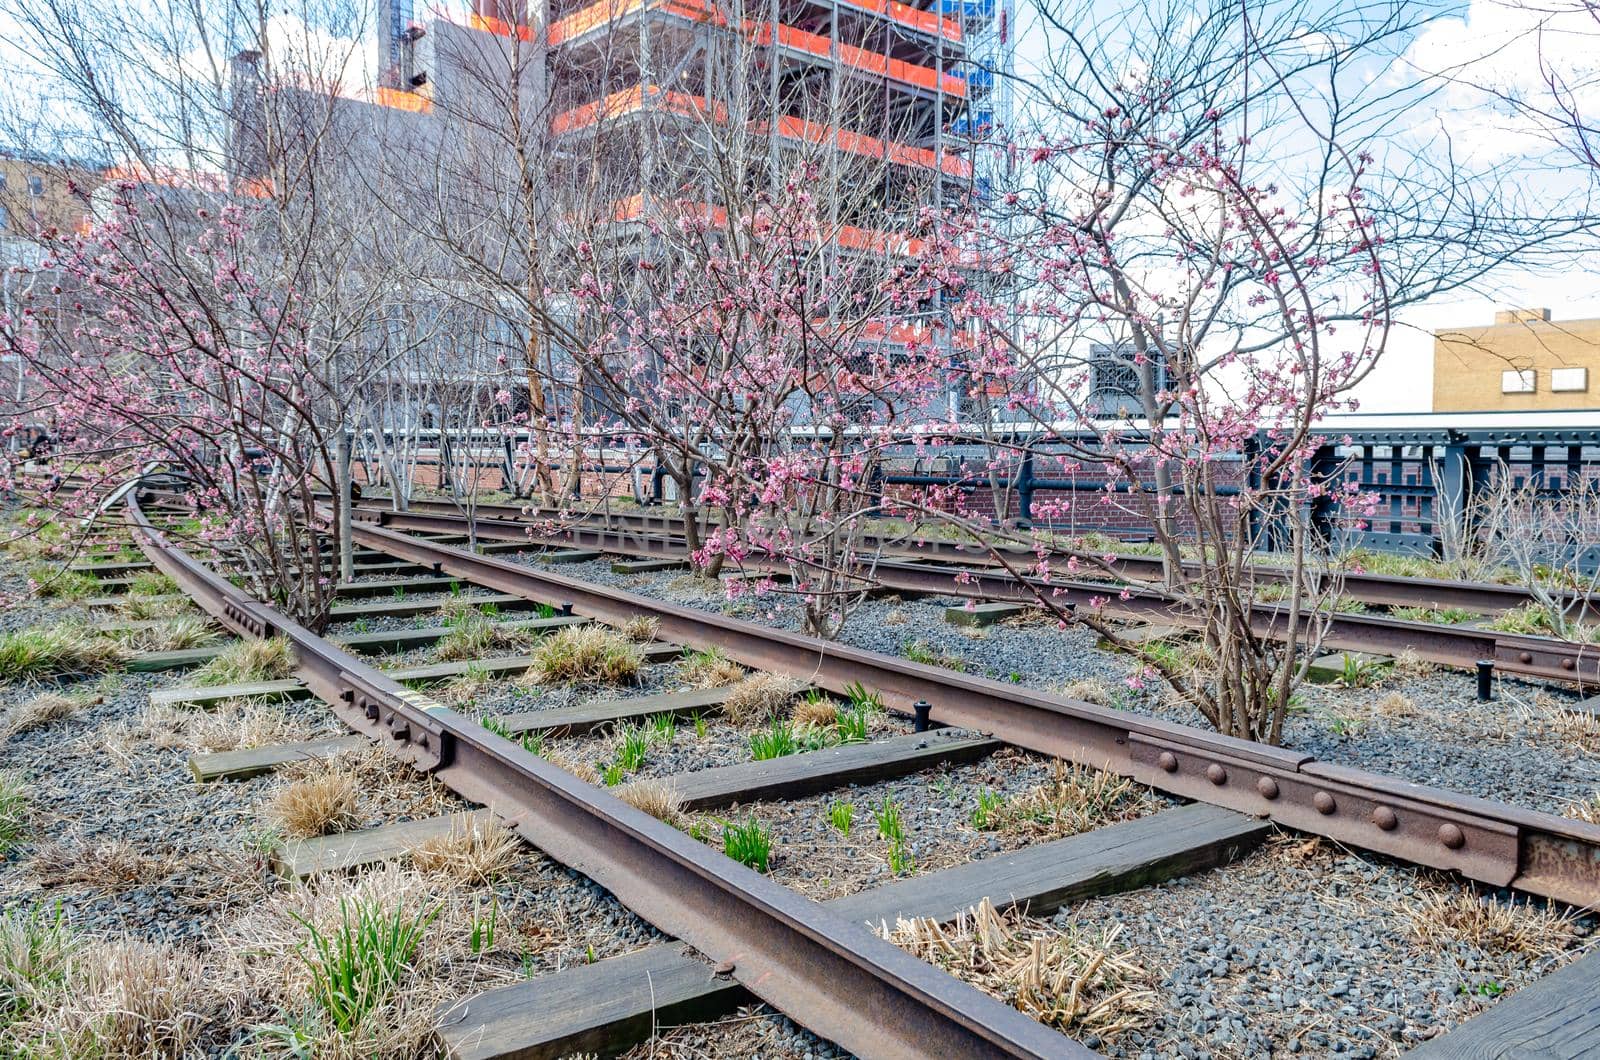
899	95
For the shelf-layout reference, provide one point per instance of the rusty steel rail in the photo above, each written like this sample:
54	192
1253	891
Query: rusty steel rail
1491	842
1382	590
833	976
1545	658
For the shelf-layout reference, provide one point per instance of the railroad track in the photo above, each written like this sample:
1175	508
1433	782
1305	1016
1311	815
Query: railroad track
816	963
1463	647
1377	590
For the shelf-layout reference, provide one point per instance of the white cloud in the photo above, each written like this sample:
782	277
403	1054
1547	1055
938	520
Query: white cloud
1498	61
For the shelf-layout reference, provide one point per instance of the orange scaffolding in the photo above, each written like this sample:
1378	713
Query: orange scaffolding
762	32
632	100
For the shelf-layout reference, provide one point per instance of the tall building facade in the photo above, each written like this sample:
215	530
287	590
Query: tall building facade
902	94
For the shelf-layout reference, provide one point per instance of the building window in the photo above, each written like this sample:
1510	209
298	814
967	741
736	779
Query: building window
35	185
1519	381
1569	380
1114	379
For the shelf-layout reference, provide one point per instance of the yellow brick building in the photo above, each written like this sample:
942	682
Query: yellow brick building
1523	361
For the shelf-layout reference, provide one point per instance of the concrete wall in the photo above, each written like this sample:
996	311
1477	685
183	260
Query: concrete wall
1470	362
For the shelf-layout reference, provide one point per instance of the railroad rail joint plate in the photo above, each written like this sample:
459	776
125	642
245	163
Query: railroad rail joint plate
429	745
1436	836
1551	658
242	620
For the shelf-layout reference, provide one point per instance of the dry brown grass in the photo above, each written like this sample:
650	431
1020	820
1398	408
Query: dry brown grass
1396	707
63	649
1576	730
760	697
464	689
1586	810
641	629
268	942
1076	979
474	635
46	708
478	852
655	796
816	712
136	607
1088	689
1077	799
233	725
177	633
710	669
271	659
896	617
124	999
319	805
1441	917
1407	663
589	654
577	767
112	866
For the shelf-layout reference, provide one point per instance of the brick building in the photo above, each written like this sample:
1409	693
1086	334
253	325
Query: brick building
1524	361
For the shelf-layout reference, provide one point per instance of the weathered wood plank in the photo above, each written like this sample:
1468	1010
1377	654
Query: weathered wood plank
411	607
121	584
161	661
353	850
205	696
608	1006
429	583
647	566
568	555
394	640
1556	1018
117	601
589	1008
982	614
201	696
585	717
1047	876
379	642
795	776
254	761
111	567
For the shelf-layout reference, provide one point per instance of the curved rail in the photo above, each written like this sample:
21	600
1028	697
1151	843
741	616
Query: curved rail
1487	841
1545	658
825	972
